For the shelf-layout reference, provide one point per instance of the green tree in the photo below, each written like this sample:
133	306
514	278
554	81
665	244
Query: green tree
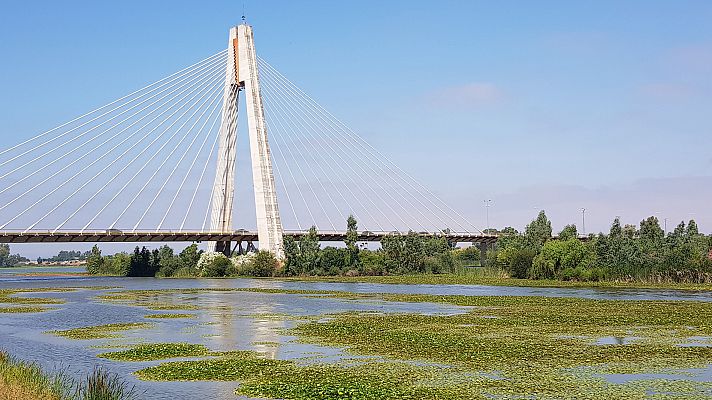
538	231
651	231
189	257
217	266
334	261
352	260
692	229
262	264
568	232
291	257
309	250
393	249
168	263
5	255
95	262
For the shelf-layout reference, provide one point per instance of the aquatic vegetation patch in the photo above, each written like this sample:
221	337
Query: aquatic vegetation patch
155	306
169	316
502	347
100	331
22	309
157	351
266	378
532	341
7	296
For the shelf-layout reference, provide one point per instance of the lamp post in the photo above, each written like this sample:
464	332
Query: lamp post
488	204
583	221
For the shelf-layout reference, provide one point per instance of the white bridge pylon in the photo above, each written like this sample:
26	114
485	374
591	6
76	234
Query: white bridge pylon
241	75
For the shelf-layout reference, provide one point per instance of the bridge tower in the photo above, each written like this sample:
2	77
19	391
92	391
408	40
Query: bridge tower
241	76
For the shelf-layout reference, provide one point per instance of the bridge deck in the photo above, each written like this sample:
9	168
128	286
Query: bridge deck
237	236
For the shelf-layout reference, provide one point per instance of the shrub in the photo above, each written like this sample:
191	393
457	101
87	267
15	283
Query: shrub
213	265
262	264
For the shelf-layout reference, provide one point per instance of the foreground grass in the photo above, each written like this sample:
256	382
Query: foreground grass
99	331
21	380
25	381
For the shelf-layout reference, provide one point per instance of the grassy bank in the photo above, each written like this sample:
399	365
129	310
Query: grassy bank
20	380
488	279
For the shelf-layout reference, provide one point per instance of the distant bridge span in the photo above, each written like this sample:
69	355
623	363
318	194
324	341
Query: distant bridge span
187	236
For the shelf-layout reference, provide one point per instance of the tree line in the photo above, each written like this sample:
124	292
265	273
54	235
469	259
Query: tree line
412	253
628	252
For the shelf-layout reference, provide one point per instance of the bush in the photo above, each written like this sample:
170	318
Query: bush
372	262
213	265
520	262
262	264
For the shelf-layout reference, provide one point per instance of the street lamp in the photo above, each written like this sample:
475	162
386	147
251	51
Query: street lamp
488	204
583	221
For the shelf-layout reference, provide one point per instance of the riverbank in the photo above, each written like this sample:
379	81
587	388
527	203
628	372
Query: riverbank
482	279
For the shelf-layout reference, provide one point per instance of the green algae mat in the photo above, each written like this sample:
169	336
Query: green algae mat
498	347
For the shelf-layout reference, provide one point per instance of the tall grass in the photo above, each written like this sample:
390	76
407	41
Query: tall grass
20	380
101	385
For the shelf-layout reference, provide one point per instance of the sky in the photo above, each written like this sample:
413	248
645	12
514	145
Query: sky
553	105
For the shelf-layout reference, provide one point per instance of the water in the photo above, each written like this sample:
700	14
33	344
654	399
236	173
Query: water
234	320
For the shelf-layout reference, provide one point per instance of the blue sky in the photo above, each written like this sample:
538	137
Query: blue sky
551	104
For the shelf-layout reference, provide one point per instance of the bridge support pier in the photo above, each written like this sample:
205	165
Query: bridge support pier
483	253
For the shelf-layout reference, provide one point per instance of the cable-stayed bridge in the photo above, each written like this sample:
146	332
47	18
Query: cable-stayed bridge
159	165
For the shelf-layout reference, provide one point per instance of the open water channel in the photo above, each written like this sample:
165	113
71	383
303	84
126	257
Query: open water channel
228	320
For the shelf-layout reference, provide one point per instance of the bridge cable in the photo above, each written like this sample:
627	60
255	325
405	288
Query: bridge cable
116	175
127	165
66	181
307	181
371	151
94	119
319	165
213	87
314	119
87	153
175	167
336	164
313	128
202	173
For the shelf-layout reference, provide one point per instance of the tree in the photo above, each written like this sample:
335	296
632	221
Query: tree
262	264
95	262
352	260
168	263
616	230
568	232
393	248
309	251
651	231
538	231
291	256
141	263
216	266
334	261
189	257
692	229
413	254
5	255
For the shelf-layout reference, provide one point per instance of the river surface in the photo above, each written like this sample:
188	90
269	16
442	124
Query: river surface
230	320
